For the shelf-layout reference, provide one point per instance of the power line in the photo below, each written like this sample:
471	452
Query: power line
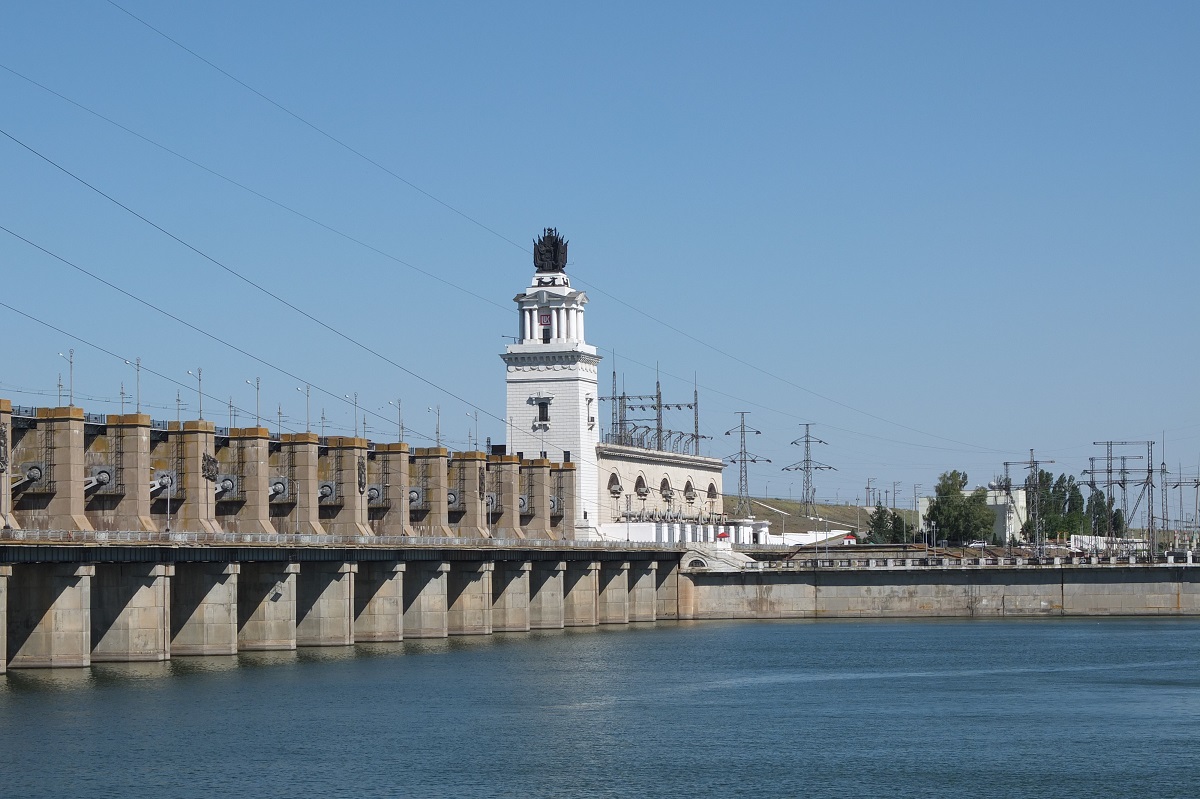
501	236
249	282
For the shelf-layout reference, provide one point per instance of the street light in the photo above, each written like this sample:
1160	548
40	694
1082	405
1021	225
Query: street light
347	396
199	375
399	417
438	428
137	366
70	359
307	390
476	415
257	393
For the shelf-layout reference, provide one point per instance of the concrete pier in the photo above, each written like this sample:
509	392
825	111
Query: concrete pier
429	512
510	596
197	448
468	515
325	604
379	601
469	599
425	599
387	490
535	519
342	490
5	573
123	502
643	596
131	612
562	506
294	468
666	591
546	595
266	605
245	462
7	521
204	609
612	606
53	456
50	616
502	496
581	593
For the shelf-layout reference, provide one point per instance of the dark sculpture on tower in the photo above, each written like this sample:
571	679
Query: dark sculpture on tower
550	252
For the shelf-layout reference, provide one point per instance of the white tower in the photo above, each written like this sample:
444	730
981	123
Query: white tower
552	388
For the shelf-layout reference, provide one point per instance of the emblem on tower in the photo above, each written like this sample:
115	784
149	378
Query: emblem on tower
550	252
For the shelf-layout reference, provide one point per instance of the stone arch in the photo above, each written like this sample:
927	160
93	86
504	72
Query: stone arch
640	488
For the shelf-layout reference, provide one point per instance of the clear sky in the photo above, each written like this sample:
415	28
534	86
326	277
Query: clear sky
944	233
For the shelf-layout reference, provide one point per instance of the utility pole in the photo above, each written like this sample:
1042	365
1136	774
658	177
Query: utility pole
742	458
808	466
1032	493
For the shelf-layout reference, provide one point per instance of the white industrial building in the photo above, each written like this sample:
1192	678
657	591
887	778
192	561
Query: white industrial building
622	492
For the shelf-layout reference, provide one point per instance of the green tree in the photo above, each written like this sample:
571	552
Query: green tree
899	532
1104	519
960	517
880	525
1060	506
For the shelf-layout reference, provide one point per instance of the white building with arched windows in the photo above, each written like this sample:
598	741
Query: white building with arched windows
553	408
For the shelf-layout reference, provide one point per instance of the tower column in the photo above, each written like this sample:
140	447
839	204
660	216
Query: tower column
553	323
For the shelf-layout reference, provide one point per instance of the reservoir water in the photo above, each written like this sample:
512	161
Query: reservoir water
1039	708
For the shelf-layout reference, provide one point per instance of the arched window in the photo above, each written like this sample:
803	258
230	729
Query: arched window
640	488
712	490
689	492
614	485
664	488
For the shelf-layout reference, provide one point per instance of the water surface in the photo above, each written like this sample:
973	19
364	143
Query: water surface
1038	708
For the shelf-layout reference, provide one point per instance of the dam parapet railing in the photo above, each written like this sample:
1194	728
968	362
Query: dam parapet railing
187	539
929	563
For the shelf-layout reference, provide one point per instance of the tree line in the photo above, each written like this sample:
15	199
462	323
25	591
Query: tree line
1056	505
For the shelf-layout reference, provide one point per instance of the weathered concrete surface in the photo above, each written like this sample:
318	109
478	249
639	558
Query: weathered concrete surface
510	596
425	599
379	601
469	599
546	595
612	602
962	591
204	609
266	606
5	573
131	612
325	604
581	592
666	590
50	616
643	598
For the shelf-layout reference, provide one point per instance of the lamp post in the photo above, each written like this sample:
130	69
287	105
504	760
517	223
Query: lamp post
257	394
137	368
199	375
70	359
437	411
399	417
307	391
355	400
476	415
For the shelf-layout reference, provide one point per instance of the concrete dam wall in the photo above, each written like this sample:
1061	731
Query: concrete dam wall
1084	589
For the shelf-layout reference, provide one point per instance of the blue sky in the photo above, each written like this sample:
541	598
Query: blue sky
944	233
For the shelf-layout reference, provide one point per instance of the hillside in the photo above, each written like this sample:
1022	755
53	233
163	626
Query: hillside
839	517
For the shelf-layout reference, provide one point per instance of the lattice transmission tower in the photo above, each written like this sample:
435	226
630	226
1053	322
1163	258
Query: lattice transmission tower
808	466
742	458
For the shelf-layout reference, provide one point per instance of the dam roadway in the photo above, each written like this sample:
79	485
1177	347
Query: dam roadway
72	598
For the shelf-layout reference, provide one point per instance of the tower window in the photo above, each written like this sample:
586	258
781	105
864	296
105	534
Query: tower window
545	335
543	411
